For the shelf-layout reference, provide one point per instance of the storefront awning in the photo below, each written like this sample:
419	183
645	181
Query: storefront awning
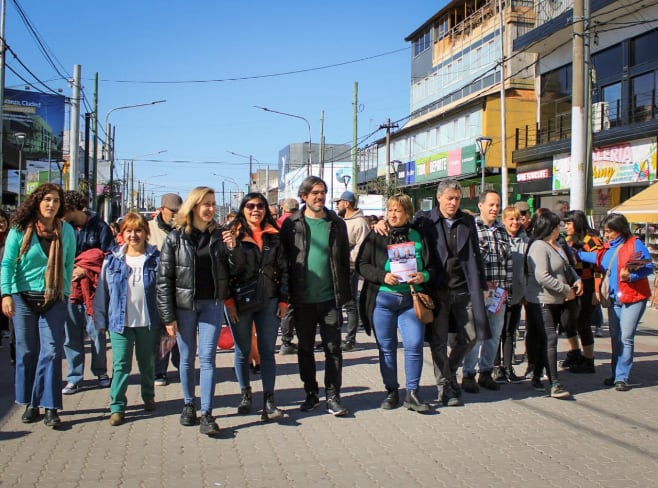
641	208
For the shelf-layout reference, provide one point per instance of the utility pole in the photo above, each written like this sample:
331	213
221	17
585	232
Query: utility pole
503	127
74	136
94	168
251	172
589	70
578	133
86	161
355	130
3	7
321	155
387	173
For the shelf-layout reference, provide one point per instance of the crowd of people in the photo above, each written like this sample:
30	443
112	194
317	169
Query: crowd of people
162	289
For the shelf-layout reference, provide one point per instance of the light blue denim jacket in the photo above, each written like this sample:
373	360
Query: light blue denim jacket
111	292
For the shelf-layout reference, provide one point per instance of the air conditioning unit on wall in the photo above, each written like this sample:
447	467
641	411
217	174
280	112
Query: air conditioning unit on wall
600	116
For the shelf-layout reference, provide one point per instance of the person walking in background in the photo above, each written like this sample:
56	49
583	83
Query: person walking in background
36	280
519	243
357	230
259	284
387	303
581	237
496	253
159	228
317	248
90	233
288	207
6	327
628	262
551	282
192	284
125	304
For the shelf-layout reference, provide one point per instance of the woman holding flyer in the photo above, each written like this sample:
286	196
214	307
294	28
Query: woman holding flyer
386	302
627	264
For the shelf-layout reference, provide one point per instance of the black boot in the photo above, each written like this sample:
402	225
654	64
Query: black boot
573	357
414	402
585	365
245	402
51	418
392	399
270	410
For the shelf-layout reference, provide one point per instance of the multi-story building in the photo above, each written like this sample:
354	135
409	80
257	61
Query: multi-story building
622	37
456	77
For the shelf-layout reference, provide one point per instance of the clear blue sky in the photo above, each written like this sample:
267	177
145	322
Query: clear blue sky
150	50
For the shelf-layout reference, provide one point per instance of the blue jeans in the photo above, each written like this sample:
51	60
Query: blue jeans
623	320
78	323
393	311
207	319
484	352
267	326
39	342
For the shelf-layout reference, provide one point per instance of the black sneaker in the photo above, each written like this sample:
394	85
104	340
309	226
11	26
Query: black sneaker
207	424
392	399
500	375
449	397
188	417
469	385
538	385
573	357
30	415
609	381
312	401
622	386
584	366
348	346
485	380
335	407
512	378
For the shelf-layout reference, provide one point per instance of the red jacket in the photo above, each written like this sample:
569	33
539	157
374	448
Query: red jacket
84	289
630	292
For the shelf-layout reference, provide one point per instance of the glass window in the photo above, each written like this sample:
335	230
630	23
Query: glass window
442	27
643	46
608	63
612	95
643	88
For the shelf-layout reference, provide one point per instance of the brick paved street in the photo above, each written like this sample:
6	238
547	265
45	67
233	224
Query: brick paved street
512	438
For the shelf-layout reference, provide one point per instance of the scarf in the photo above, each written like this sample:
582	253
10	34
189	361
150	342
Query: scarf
55	268
399	234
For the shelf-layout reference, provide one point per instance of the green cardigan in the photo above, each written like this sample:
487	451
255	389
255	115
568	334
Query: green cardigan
29	273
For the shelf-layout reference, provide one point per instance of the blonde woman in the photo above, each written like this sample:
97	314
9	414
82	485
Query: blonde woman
191	287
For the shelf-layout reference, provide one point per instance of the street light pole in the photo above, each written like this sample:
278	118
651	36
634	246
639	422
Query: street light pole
483	146
251	168
109	143
308	165
20	138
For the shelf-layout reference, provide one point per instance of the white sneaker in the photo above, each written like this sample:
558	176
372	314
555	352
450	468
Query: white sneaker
70	389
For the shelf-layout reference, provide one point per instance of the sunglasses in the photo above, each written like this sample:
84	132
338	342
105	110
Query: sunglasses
252	206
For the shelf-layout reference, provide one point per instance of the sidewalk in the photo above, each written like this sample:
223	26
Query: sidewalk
511	438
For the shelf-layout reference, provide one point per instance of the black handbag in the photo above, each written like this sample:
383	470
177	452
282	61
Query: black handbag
250	297
36	301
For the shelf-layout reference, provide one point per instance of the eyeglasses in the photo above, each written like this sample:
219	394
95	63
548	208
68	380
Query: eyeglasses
252	206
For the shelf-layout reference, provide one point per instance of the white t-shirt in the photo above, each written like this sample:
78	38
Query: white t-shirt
137	314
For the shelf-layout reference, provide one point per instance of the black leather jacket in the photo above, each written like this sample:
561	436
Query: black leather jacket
246	261
294	236
175	283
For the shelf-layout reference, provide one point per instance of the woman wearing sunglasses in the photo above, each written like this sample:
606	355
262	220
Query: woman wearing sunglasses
259	288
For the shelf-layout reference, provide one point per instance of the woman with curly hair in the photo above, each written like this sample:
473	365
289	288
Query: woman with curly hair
257	264
36	282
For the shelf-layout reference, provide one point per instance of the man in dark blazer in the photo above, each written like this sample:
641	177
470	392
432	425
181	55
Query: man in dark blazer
460	287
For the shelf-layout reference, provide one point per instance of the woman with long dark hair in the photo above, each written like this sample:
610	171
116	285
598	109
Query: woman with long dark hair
36	282
628	263
259	296
551	282
581	237
192	284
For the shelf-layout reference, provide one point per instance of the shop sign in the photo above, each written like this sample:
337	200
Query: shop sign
438	166
540	174
629	162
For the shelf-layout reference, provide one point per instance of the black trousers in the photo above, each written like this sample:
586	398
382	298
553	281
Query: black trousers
544	319
577	319
307	317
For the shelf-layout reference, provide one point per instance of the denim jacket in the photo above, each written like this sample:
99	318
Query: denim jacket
110	299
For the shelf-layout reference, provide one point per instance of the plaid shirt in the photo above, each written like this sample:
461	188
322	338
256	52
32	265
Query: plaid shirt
496	252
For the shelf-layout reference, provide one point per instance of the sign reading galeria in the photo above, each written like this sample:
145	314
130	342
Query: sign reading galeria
628	162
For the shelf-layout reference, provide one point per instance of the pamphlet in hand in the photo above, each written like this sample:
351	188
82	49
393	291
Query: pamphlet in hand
636	262
167	342
496	299
402	257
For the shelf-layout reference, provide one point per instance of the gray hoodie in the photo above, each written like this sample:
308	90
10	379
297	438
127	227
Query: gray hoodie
357	230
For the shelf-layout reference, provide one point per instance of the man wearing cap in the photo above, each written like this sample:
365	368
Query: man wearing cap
159	227
357	230
288	207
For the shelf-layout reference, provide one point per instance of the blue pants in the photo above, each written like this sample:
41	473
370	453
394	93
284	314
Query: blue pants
484	352
39	342
207	320
623	320
393	311
78	323
267	326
